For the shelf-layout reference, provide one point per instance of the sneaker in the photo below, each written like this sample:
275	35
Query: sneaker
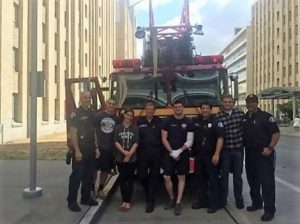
171	204
149	207
101	194
89	202
178	209
74	207
267	217
199	204
253	208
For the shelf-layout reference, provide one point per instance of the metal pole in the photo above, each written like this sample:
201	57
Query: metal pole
294	107
33	191
236	90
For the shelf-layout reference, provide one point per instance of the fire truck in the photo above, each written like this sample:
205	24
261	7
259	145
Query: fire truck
169	70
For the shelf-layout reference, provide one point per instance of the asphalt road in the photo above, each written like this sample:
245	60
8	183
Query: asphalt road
287	201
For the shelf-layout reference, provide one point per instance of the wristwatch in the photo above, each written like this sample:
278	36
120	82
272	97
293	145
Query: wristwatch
271	147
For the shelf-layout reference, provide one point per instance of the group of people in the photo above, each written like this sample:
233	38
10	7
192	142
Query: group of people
217	145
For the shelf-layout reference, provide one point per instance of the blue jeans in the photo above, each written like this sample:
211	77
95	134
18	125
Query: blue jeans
232	161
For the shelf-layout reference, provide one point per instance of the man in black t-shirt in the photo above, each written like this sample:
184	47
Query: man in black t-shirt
177	137
82	134
105	123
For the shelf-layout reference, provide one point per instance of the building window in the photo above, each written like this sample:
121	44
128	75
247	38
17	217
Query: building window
86	59
16	15
85	10
44	33
278	14
296	68
66	19
16	110
57	110
278	49
16	59
56	76
66	48
56	10
278	32
85	35
56	42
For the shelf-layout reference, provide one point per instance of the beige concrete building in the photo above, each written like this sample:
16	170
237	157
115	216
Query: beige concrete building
276	49
75	39
235	60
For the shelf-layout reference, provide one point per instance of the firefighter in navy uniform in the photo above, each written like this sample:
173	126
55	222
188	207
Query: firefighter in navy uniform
149	153
208	142
261	134
82	134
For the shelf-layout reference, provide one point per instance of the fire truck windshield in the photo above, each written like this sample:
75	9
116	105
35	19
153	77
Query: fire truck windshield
134	90
192	88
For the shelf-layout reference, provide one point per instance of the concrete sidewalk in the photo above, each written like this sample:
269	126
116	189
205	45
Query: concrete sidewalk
51	207
289	131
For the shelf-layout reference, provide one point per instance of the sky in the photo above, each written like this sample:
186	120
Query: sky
218	17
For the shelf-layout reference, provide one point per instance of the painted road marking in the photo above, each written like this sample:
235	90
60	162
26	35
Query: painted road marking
287	184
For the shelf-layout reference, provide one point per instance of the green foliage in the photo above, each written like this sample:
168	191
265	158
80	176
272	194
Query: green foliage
287	109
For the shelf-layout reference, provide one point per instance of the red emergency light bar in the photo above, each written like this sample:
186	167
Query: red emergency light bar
212	59
127	63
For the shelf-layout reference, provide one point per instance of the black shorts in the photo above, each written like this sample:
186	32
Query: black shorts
171	166
106	160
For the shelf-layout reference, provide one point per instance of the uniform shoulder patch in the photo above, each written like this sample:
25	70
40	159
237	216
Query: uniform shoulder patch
272	119
220	125
73	114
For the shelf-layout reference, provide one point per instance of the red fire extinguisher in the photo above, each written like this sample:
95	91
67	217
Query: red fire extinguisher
192	164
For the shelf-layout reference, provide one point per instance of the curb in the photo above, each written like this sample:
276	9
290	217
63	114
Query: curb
94	213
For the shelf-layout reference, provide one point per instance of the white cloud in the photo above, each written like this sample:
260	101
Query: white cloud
144	5
222	3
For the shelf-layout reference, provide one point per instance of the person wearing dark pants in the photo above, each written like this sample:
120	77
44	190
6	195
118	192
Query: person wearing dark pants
261	135
126	171
232	155
82	171
126	138
149	154
208	142
82	135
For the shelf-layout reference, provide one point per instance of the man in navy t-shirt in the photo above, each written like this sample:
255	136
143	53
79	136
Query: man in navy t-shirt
177	137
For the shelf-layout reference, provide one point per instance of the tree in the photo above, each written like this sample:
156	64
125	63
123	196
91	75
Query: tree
287	109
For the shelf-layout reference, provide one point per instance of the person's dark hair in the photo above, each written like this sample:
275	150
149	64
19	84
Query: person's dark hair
150	103
178	102
128	110
227	96
206	103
